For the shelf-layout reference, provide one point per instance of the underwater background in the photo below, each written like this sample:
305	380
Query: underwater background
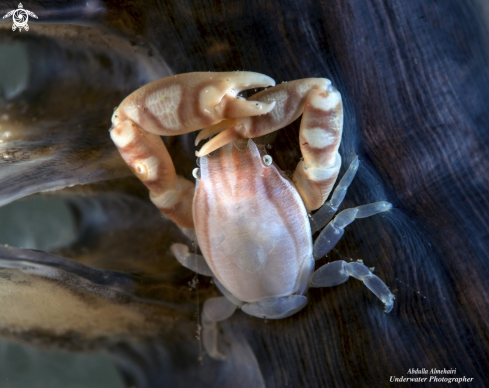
101	282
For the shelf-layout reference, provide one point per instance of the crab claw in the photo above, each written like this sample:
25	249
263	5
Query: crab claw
288	99
188	102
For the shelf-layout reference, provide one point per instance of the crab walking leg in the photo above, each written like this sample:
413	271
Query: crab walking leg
320	137
215	310
332	233
148	158
289	97
191	261
328	210
338	272
187	102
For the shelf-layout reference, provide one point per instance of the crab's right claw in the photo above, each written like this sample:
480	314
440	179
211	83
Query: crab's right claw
188	102
290	99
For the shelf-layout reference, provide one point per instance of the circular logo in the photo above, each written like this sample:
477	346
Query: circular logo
20	17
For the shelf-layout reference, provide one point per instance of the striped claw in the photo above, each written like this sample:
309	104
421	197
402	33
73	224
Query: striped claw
187	102
289	97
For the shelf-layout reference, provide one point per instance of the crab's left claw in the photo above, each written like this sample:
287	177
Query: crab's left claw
187	102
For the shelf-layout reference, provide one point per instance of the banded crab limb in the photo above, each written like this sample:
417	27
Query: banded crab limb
147	157
320	137
338	272
290	99
187	102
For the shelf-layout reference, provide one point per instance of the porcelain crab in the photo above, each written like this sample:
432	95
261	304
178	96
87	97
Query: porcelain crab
251	221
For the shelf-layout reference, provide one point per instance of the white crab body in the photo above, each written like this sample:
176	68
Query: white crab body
244	236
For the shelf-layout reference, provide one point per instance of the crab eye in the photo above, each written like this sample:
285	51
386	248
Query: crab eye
196	173
267	159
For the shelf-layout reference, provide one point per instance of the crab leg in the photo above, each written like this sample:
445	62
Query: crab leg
320	137
148	158
332	233
338	272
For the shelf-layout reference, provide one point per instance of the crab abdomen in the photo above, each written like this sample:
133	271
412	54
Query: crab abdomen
251	224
